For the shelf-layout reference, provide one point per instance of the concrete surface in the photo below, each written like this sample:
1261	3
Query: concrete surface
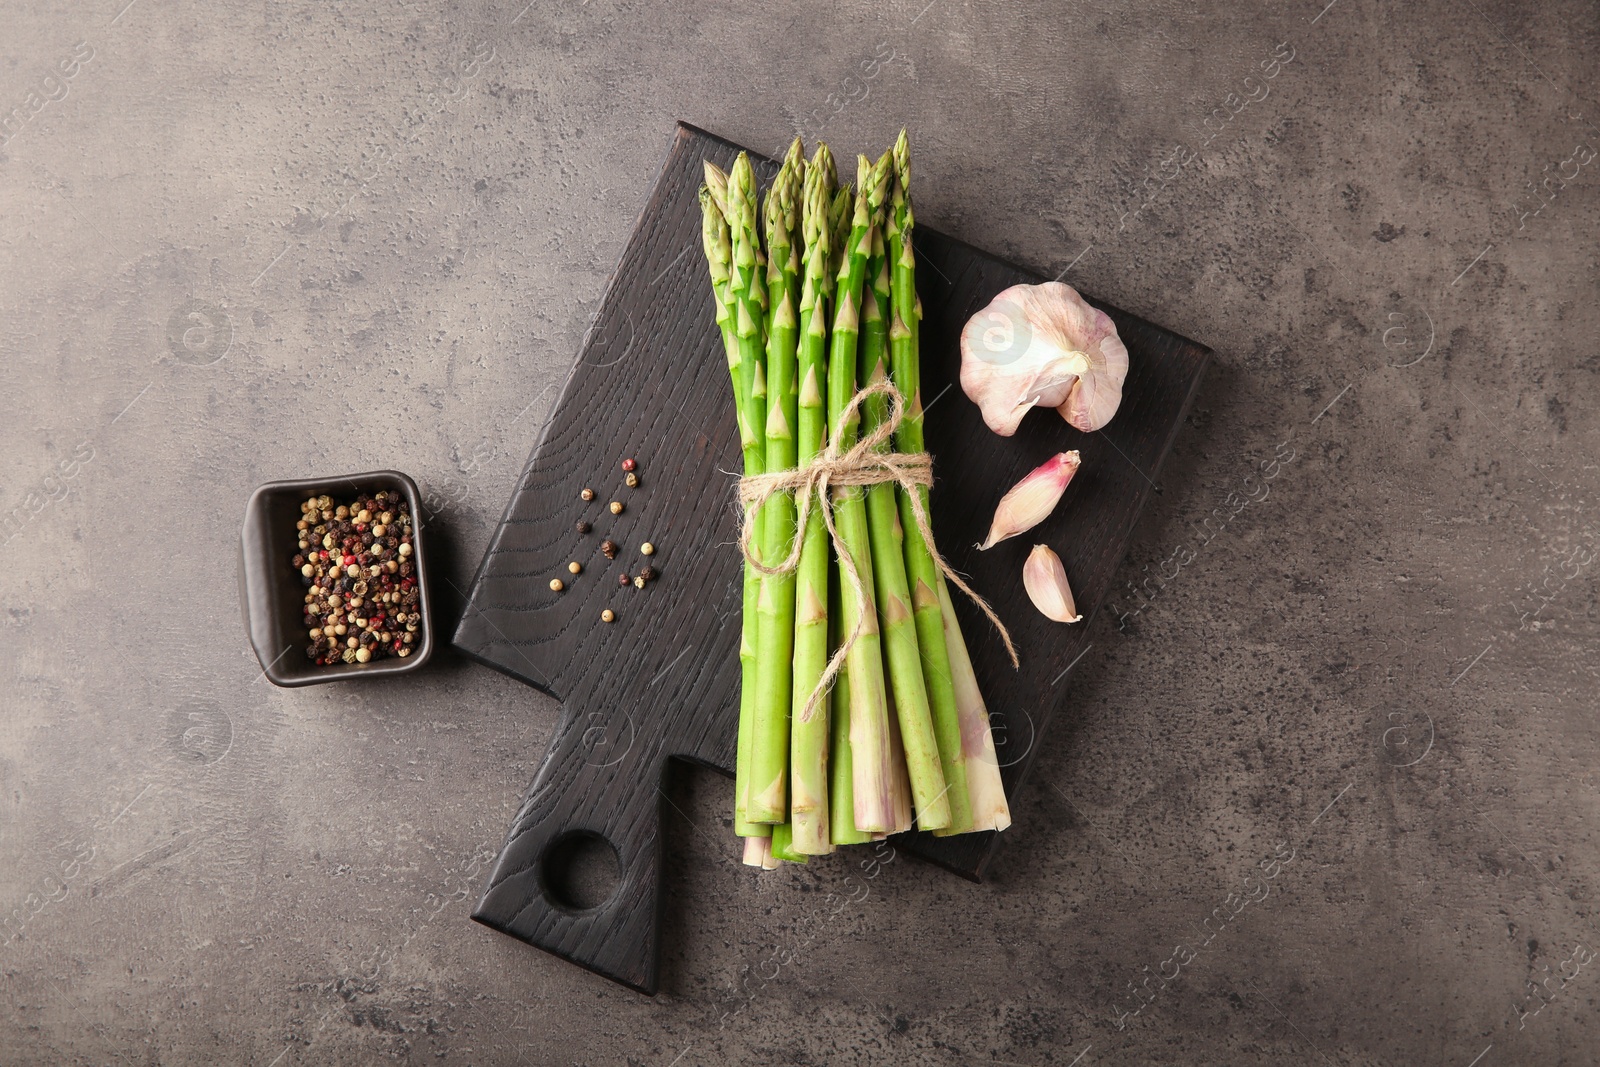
248	242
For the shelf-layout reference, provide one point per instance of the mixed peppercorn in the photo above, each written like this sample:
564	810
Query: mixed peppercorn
356	561
610	548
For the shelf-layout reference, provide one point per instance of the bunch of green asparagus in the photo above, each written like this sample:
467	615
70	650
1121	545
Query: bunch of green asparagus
816	299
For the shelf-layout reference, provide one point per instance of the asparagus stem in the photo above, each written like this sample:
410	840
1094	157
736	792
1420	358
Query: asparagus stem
748	673
808	802
869	710
900	781
769	759
989	808
921	572
716	238
841	774
764	791
888	552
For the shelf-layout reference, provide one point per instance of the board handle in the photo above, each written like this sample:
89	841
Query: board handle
600	780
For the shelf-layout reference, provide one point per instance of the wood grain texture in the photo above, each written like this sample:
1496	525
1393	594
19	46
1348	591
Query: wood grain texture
662	681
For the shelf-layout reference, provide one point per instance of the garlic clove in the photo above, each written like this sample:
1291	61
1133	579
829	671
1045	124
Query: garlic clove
1045	579
1032	500
1043	346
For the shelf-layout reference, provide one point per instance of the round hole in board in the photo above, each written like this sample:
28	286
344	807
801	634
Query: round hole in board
580	870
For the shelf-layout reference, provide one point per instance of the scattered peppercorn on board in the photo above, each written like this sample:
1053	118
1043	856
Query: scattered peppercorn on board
659	678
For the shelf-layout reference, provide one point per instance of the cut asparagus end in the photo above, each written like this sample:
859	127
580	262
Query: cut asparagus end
988	796
783	844
756	850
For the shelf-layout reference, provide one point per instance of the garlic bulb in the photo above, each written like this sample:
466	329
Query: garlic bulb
1032	500
1043	346
1045	579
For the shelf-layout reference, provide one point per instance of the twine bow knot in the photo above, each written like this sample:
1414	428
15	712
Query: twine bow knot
867	462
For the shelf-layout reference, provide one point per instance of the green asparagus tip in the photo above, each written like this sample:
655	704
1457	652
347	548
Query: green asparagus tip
822	160
717	185
839	216
709	205
772	208
714	236
741	209
902	160
741	178
814	207
877	182
782	215
839	212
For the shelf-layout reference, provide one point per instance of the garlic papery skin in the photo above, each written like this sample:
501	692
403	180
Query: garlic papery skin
1043	346
1045	579
1032	500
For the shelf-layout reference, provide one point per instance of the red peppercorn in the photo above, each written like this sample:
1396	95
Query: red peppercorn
628	464
623	580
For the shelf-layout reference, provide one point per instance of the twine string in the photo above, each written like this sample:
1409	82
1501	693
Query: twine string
867	462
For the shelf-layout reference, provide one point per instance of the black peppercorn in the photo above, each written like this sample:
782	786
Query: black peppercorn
583	527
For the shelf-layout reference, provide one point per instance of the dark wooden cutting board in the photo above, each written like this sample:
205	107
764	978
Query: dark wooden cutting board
662	681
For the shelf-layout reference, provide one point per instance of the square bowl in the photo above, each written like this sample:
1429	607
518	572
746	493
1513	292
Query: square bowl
272	594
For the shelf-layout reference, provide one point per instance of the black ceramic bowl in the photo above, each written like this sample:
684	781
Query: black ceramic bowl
272	592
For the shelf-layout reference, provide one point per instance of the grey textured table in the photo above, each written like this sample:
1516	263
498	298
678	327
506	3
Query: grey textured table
1326	793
